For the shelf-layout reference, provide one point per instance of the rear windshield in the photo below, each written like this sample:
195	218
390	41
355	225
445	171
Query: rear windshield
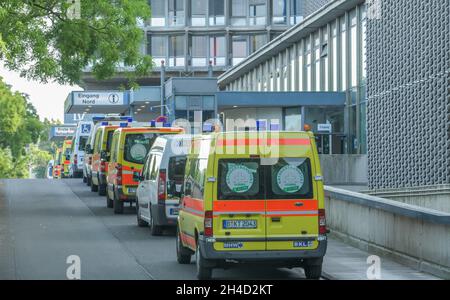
82	143
240	179
109	140
177	166
247	179
137	145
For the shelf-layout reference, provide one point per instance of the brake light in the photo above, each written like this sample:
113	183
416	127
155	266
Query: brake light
322	222
162	186
119	174
102	166
208	223
75	159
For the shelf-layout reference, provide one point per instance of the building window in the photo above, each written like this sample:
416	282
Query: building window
300	67
198	9
324	57
158	49
363	42
354	49
296	11
217	50
293	119
176	51
257	41
317	69
279	9
308	66
238	12
199	51
343	53
176	12
158	12
335	57
216	12
257	12
239	49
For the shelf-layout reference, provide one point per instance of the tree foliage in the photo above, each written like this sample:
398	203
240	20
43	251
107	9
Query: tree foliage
20	128
45	40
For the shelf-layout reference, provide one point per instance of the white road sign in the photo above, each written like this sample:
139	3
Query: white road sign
98	98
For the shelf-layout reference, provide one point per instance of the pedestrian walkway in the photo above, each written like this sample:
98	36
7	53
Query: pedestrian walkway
344	262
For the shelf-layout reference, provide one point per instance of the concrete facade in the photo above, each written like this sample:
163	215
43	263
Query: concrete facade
408	113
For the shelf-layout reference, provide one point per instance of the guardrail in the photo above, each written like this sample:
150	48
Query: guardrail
416	236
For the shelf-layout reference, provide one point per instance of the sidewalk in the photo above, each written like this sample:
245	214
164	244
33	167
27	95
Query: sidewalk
344	262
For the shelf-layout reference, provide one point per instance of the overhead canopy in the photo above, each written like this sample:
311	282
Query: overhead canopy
95	102
279	99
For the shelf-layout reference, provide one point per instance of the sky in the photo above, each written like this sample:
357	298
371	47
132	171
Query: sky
47	98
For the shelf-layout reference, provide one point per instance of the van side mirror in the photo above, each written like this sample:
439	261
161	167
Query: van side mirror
68	157
104	155
137	176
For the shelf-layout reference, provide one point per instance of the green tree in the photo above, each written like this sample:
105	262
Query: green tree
39	159
45	40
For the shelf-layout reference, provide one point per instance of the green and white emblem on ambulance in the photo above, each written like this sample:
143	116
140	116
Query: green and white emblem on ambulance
290	179
138	151
239	178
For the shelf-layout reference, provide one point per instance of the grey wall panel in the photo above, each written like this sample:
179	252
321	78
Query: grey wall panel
408	118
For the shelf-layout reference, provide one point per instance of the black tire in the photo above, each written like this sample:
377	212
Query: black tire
155	230
313	271
183	254
140	222
101	189
109	201
118	206
204	272
94	188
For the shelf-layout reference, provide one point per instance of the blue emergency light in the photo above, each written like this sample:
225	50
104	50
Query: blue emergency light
126	118
153	123
208	127
123	125
105	123
275	127
261	125
167	125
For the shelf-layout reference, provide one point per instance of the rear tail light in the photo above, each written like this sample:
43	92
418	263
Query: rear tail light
119	174
102	166
322	222
90	160
162	186
208	223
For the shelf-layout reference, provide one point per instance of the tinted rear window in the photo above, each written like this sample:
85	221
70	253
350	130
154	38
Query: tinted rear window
82	143
109	140
240	179
177	166
290	178
137	146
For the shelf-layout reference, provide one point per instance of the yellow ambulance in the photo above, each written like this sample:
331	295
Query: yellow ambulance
129	148
253	197
65	158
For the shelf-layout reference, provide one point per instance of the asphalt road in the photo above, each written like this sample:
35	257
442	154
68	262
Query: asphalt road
43	222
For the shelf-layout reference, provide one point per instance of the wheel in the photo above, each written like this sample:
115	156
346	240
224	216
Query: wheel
203	272
155	230
109	201
101	189
183	253
118	206
313	271
140	222
94	188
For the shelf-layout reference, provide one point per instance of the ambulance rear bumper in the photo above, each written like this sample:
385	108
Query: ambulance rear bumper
209	252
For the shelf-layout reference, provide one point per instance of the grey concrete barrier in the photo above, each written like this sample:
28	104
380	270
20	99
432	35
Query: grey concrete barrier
413	235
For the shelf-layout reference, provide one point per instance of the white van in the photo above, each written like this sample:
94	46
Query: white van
80	140
160	182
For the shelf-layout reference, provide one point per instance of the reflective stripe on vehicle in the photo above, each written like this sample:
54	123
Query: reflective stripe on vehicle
263	141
